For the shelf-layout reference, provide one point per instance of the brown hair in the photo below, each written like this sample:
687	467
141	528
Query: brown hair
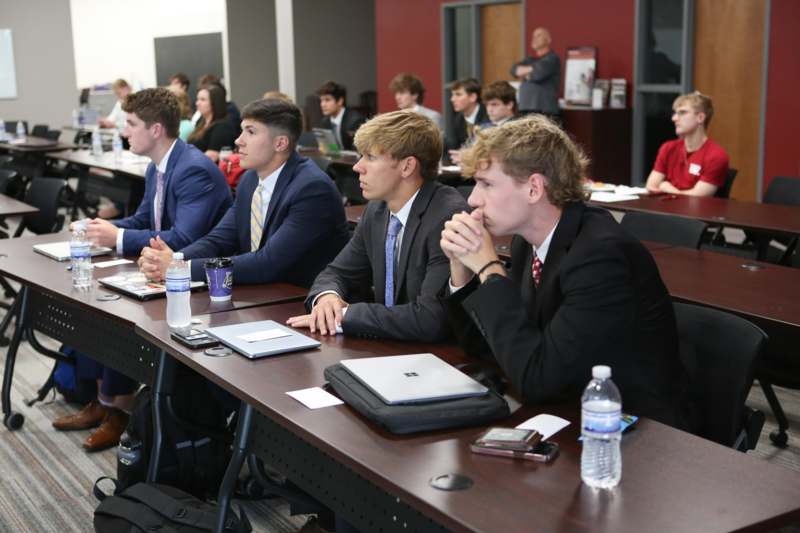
119	83
501	90
700	102
219	110
277	95
402	134
155	105
533	145
408	82
331	88
281	116
182	79
470	86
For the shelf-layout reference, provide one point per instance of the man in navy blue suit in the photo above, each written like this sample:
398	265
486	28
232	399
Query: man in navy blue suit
185	193
287	222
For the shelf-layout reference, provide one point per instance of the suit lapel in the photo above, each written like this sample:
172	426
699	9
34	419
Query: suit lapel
284	179
564	236
413	223
174	156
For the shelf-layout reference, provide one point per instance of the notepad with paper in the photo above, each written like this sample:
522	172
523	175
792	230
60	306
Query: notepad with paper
261	339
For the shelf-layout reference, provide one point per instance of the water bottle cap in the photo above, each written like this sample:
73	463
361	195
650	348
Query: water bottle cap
177	256
601	372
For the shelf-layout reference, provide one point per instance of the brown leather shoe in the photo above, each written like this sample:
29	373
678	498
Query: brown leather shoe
109	432
89	417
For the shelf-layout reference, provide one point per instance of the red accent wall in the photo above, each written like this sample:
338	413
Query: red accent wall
782	135
408	38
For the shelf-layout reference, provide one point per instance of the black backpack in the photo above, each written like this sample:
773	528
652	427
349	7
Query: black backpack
146	507
196	446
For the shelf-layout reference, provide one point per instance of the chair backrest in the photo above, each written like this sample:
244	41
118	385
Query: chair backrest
6	175
44	193
719	352
53	135
725	190
39	130
465	190
783	190
11	126
667	229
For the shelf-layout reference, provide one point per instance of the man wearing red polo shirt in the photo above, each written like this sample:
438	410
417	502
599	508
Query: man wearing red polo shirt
692	164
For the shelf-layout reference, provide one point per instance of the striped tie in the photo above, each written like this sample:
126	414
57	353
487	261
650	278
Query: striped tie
256	218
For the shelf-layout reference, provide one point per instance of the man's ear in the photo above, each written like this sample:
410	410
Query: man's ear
281	143
535	188
408	165
702	117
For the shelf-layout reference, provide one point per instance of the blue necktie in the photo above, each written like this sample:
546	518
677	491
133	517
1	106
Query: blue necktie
391	238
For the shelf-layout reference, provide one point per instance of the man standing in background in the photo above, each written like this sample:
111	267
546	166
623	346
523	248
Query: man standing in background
540	77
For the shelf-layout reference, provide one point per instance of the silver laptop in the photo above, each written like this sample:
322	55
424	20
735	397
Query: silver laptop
60	250
261	339
421	377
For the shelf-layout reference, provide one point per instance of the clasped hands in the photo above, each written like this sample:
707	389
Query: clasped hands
155	259
469	246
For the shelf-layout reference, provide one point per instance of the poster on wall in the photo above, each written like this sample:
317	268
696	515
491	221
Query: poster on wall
580	73
8	75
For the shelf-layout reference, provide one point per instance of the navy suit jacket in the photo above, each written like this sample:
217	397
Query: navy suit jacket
196	196
304	229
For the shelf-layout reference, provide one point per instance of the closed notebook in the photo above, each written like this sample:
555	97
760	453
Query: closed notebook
415	378
60	250
261	339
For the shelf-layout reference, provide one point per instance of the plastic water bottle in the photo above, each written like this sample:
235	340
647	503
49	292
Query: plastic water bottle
20	131
179	310
97	143
601	414
76	118
2	130
116	146
79	247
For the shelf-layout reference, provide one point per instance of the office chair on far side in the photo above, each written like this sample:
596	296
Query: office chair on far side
719	351
667	229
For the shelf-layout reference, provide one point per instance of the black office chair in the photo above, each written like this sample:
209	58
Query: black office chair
6	161
465	190
40	130
667	229
719	351
725	190
44	193
11	126
53	135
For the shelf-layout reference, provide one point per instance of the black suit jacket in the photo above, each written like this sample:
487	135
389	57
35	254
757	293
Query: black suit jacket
422	270
351	121
456	135
600	301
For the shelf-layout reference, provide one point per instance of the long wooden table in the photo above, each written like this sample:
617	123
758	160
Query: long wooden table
35	145
11	207
672	481
773	218
130	165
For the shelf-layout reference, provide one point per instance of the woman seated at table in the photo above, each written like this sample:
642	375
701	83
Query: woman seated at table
213	131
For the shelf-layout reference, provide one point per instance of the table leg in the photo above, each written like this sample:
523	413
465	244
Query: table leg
11	419
12	311
235	465
165	378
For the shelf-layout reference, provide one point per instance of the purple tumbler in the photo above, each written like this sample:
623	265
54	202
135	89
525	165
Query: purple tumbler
219	275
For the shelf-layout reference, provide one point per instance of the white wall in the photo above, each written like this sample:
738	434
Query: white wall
114	38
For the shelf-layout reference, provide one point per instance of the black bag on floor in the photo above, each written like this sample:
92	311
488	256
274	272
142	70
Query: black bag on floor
145	507
196	439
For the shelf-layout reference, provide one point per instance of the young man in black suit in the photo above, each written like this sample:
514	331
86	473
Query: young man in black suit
465	95
342	120
581	291
395	248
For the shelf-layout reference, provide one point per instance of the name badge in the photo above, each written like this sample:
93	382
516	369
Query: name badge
694	169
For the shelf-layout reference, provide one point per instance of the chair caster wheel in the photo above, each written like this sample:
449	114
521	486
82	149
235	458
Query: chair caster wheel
779	438
14	421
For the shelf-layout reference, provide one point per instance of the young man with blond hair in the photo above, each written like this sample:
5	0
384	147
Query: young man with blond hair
692	164
581	291
395	247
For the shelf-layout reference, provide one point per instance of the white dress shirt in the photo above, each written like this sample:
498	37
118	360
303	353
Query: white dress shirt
161	166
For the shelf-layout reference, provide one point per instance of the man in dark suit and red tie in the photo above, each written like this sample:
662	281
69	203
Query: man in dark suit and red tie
581	291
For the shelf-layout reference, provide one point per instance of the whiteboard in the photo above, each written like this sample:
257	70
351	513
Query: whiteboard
8	76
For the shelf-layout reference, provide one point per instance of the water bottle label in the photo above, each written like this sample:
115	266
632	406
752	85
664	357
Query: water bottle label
177	284
601	421
79	251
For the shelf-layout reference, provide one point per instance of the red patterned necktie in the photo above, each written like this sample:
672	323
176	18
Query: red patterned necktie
536	270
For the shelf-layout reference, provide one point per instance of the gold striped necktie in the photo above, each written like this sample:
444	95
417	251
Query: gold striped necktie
256	218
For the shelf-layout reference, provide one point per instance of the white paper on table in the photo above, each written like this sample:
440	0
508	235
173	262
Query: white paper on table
264	335
546	425
315	398
612	197
625	189
113	262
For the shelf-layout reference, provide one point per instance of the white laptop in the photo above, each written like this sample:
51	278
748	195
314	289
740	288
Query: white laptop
421	377
261	339
60	250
